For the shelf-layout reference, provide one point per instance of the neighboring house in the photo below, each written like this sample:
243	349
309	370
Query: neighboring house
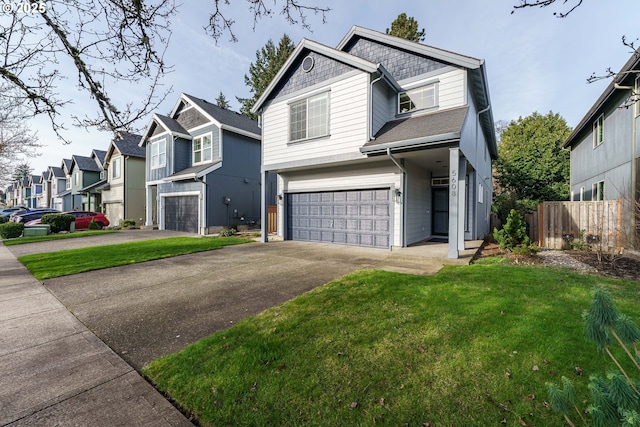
202	168
124	195
87	177
57	186
605	145
65	196
9	196
43	199
380	142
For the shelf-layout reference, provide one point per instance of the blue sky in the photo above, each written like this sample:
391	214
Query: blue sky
534	61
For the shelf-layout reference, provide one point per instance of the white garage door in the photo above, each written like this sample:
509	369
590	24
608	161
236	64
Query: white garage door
358	217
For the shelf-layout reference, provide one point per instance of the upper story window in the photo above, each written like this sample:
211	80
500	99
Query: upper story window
598	131
419	98
309	118
115	168
158	153
68	182
76	178
202	149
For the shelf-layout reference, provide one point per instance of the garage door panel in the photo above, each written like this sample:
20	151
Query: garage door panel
356	217
181	213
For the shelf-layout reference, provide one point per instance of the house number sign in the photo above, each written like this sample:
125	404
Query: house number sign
454	183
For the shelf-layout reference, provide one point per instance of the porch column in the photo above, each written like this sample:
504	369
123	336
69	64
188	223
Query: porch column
264	216
462	200
149	206
454	201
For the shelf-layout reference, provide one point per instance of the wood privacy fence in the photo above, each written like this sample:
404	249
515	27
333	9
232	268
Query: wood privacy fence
556	224
272	214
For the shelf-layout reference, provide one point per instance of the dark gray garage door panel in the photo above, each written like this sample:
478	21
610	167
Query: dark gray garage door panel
181	213
359	217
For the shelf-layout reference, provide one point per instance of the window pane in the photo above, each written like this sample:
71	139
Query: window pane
317	117
417	99
298	119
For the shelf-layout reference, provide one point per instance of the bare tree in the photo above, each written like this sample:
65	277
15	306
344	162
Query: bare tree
572	5
16	140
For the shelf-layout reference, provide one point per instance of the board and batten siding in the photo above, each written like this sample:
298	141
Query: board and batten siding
348	123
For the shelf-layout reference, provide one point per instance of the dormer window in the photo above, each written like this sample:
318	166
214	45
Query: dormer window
202	149
420	98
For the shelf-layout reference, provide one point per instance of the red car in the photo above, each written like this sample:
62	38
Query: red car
83	218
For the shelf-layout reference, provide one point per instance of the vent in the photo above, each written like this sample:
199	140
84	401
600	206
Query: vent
438	182
307	64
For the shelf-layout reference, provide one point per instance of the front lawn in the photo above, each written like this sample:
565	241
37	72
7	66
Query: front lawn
73	261
36	239
470	346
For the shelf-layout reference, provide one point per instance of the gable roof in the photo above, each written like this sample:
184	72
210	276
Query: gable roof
225	118
601	103
66	164
338	55
127	145
84	164
414	132
56	172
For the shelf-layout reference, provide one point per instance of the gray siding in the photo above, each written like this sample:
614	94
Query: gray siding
162	172
383	102
190	118
182	154
401	64
418	218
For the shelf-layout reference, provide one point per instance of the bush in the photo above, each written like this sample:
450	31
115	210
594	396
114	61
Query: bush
4	219
513	233
94	225
58	222
227	232
11	230
127	223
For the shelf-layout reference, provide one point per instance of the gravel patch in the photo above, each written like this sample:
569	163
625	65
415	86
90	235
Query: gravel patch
556	258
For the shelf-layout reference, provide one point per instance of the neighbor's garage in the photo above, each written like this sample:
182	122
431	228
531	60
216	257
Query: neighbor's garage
181	213
359	217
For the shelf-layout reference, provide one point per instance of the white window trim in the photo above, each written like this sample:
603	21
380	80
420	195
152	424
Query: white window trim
598	129
116	170
324	93
151	155
595	193
193	151
436	97
76	178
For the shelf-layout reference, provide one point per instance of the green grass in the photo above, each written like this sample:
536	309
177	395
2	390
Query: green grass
36	239
73	261
379	348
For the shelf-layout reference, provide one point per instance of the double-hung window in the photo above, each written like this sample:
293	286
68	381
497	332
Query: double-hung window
598	131
115	168
420	98
309	118
202	149
158	153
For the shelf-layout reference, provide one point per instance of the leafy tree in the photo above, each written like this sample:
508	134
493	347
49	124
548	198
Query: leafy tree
531	165
407	28
269	60
21	171
221	101
110	43
16	140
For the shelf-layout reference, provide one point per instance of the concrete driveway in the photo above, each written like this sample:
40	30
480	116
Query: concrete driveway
155	308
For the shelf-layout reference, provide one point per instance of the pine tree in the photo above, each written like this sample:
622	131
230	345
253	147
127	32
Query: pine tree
221	101
407	28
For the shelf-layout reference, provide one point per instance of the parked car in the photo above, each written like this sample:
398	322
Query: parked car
10	211
82	219
31	215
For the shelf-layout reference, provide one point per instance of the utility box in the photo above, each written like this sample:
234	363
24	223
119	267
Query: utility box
37	230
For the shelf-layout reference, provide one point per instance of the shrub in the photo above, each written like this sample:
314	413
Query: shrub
227	232
94	225
58	222
11	230
513	233
4	219
127	223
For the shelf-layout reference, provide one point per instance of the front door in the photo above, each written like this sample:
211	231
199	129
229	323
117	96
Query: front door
440	209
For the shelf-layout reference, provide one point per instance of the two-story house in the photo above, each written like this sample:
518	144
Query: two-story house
202	168
87	175
43	199
605	146
65	196
35	191
57	186
124	195
379	142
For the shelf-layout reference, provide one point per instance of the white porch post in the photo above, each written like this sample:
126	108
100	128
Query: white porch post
462	200
264	220
149	206
454	201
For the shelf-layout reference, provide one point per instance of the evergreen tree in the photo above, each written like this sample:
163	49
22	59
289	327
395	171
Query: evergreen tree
268	62
21	170
407	28
221	101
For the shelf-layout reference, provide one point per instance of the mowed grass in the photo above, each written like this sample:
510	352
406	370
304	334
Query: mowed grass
470	346
73	261
74	235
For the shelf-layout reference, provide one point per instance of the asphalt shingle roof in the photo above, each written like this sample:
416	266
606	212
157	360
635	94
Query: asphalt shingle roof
226	116
128	145
57	172
171	124
86	163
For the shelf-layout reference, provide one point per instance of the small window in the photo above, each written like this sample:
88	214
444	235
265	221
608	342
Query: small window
68	183
582	194
76	179
202	149
158	153
597	191
115	168
598	131
309	118
417	99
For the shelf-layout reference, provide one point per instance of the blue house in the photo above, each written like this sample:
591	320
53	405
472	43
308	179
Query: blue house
202	168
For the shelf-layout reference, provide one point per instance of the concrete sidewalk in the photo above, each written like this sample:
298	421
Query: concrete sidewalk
54	371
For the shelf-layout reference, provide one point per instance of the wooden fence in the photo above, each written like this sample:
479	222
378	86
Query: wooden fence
272	217
556	224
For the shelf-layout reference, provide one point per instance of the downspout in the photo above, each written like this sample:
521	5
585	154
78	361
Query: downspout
403	196
484	178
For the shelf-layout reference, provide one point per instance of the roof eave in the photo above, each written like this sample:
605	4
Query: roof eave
410	144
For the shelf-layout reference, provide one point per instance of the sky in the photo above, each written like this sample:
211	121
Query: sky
535	61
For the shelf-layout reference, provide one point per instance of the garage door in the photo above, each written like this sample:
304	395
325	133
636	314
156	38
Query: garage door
360	217
181	213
